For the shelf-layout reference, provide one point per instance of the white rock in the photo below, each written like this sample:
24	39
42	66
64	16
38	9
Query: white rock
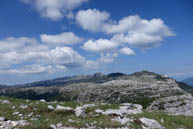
51	107
23	106
71	121
80	110
16	113
150	123
13	107
30	115
14	123
2	119
53	126
33	119
42	100
59	125
6	102
125	109
11	124
59	108
20	115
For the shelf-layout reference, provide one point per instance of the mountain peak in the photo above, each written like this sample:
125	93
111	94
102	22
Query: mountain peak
144	72
98	74
117	74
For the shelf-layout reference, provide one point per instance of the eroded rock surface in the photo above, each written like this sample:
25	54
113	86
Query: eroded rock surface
125	109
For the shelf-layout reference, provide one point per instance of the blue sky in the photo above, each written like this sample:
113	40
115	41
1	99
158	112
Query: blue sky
43	40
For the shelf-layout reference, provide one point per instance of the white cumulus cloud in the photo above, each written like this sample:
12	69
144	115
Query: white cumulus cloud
101	45
127	51
36	57
132	30
54	9
64	38
92	19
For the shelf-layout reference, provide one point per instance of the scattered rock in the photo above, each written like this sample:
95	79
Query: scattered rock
80	110
62	108
16	113
33	119
23	106
30	115
20	115
150	124
125	109
13	107
51	107
11	124
71	121
5	102
3	119
43	100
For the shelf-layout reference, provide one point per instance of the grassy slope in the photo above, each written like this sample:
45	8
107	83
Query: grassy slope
49	117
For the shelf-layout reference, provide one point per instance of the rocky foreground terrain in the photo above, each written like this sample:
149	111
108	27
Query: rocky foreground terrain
27	114
140	100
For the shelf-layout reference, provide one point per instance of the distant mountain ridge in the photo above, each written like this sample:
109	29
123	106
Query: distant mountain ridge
96	78
189	81
3	86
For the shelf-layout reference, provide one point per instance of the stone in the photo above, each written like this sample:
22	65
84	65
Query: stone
3	119
33	119
42	100
80	110
6	102
62	108
16	113
12	124
30	115
150	123
125	109
23	106
71	121
51	107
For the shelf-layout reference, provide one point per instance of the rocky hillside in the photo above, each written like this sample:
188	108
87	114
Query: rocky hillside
39	114
152	91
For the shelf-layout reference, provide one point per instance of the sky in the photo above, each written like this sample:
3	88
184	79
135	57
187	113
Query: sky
54	38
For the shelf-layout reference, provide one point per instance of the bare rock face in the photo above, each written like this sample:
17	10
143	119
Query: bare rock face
125	109
175	105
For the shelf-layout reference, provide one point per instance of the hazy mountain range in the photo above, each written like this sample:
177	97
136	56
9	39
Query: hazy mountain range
189	81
